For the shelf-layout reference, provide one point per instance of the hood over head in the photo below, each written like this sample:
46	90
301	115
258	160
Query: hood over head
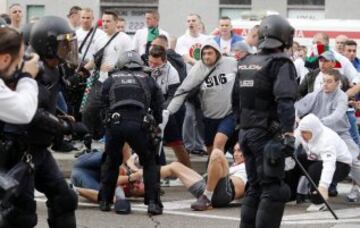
313	124
212	43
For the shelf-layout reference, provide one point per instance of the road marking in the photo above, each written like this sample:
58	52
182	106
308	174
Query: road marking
346	215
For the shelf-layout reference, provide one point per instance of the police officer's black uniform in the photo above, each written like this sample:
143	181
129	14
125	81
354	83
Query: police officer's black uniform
263	99
128	94
51	38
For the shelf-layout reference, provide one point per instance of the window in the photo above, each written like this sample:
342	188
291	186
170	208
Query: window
34	11
235	2
307	2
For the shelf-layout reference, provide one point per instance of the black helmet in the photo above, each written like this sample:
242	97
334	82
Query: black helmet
25	30
3	22
129	60
52	37
275	32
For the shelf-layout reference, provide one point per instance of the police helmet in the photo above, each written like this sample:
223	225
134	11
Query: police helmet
275	32
25	30
129	60
52	37
2	22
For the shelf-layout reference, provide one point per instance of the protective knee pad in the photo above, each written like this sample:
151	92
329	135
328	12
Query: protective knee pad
248	211
276	192
274	161
269	213
22	217
62	203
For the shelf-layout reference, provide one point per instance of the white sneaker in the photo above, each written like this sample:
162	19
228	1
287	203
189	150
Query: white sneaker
316	207
354	195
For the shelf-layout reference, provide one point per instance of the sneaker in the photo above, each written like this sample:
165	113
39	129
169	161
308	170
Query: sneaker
316	207
155	208
332	190
354	195
104	206
63	147
122	206
202	204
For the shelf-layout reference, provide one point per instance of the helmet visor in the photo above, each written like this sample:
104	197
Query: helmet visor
67	48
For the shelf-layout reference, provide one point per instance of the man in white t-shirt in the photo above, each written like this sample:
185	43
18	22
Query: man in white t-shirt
189	46
143	37
86	24
120	43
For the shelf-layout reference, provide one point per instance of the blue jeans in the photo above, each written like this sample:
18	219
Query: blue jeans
86	171
354	131
192	129
61	103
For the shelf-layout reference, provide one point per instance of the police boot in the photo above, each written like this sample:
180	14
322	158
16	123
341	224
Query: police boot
66	220
155	208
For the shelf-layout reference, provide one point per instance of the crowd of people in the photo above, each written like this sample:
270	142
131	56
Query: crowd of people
209	94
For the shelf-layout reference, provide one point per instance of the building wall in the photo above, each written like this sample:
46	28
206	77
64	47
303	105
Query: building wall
3	6
273	5
174	12
336	9
57	7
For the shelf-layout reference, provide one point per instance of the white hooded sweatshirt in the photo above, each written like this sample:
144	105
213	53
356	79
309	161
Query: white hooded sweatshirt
325	145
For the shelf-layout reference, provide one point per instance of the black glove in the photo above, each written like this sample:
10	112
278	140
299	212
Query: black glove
288	143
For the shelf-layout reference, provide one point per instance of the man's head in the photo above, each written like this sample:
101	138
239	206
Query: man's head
16	14
339	43
350	49
193	22
152	19
331	80
157	56
240	49
210	55
109	22
161	40
321	38
11	51
238	154
53	39
327	61
121	24
275	33
6	18
225	27
74	16
252	37
86	18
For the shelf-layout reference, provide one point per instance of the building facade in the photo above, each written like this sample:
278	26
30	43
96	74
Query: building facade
173	12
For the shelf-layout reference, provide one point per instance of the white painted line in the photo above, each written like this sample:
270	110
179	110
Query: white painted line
346	215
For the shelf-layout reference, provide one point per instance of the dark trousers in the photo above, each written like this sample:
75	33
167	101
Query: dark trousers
137	137
314	168
92	112
48	179
266	193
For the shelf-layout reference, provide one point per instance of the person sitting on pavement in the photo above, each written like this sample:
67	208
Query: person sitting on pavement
329	104
224	183
328	158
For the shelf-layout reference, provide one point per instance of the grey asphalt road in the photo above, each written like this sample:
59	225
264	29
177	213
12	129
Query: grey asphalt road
177	214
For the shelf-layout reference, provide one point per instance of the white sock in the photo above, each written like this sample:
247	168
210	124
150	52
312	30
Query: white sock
208	194
119	193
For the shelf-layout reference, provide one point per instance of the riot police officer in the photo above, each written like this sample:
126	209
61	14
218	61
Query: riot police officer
263	100
128	94
54	41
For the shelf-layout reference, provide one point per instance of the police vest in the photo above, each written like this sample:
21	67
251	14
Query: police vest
256	75
129	89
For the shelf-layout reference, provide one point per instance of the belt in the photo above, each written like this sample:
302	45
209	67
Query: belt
233	189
